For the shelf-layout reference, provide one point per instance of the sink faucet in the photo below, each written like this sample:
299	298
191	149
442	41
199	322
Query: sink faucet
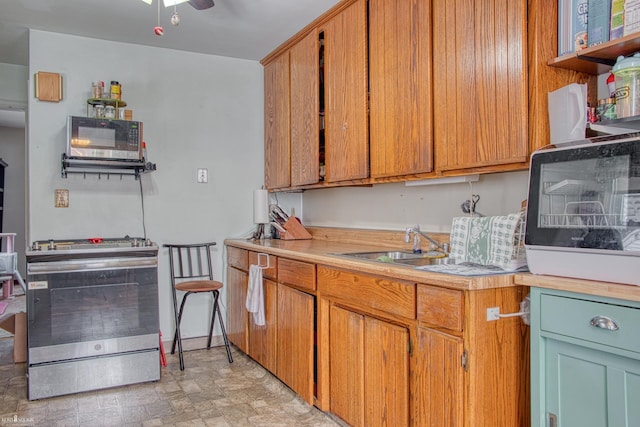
415	231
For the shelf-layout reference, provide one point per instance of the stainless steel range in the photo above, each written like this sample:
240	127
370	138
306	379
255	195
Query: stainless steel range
92	308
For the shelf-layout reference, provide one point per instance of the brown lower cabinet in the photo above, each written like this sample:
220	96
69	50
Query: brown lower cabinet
263	339
295	341
369	369
376	351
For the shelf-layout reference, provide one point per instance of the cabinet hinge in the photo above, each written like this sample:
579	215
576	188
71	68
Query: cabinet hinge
464	360
553	420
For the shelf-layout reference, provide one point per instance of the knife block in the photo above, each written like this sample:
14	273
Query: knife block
295	230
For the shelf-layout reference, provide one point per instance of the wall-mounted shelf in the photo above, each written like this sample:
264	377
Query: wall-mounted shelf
116	103
104	167
600	58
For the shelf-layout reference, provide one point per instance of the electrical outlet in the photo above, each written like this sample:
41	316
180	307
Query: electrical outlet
493	313
203	176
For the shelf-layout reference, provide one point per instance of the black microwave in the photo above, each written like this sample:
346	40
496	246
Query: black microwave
583	213
104	139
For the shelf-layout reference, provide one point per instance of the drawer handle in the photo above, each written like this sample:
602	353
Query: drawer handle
604	322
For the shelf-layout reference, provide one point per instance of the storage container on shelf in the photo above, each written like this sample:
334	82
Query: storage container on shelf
627	79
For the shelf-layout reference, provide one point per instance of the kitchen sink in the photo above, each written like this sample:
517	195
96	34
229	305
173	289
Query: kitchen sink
401	257
384	256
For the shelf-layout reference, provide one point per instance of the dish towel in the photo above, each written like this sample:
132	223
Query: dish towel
255	295
492	240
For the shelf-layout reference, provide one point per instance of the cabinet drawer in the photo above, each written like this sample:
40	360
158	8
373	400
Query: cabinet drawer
300	274
262	259
238	258
573	317
392	296
441	307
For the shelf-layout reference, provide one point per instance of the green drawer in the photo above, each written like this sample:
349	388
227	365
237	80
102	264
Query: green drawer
573	318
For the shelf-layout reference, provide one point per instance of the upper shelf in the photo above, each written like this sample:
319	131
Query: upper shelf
118	103
600	58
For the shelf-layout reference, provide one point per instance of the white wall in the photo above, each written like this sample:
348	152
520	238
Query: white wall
12	151
199	111
13	80
395	206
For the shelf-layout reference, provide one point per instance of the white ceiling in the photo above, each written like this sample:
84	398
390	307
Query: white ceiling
247	29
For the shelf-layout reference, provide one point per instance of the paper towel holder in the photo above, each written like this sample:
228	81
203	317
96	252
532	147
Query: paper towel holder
260	212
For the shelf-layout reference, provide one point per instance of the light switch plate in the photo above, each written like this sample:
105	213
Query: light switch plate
203	176
62	198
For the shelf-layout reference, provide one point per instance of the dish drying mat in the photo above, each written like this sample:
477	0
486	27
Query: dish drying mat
469	269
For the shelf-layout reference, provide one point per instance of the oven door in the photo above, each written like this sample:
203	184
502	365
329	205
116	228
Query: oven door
91	307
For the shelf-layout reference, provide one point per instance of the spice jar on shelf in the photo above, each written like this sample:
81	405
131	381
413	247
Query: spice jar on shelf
109	112
99	111
116	90
96	89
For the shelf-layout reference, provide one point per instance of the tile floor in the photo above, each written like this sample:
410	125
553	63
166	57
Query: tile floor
209	392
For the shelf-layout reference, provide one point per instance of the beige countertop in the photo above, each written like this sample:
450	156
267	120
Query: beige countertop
589	287
321	252
329	241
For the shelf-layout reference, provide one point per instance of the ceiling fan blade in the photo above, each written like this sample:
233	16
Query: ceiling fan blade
201	4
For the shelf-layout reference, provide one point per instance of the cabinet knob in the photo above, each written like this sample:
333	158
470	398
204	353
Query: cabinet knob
604	322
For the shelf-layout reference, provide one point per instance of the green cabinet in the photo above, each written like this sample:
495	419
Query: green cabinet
585	360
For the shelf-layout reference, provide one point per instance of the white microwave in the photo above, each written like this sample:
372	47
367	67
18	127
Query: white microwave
583	211
104	139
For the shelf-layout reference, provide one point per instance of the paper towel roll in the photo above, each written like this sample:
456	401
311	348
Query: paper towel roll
261	207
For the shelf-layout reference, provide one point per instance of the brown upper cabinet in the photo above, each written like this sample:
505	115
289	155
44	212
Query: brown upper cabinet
305	111
276	123
320	84
395	90
345	94
400	118
479	83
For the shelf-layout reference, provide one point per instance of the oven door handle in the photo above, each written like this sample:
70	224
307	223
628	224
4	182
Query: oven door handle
89	265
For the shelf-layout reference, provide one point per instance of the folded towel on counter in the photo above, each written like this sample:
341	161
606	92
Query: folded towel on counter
492	240
255	295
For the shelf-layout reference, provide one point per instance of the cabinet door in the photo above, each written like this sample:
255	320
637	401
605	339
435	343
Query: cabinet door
590	388
438	380
276	123
479	83
386	370
305	114
369	370
262	339
237	281
295	348
346	344
346	122
400	87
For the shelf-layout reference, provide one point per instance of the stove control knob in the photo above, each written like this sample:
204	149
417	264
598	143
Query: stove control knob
35	246
134	243
148	242
52	245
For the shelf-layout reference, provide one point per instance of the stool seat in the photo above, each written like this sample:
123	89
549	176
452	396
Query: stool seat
199	286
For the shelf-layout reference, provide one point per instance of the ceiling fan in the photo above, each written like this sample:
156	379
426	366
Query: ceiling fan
175	18
197	4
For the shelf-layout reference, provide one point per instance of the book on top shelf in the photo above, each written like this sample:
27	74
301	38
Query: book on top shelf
617	19
631	17
598	21
572	25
